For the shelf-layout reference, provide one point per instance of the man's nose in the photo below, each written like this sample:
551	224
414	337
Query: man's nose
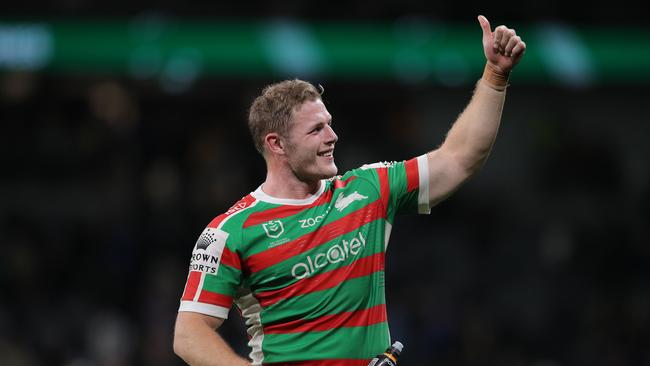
331	135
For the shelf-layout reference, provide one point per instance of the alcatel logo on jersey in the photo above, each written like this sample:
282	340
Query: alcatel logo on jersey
273	228
345	201
334	254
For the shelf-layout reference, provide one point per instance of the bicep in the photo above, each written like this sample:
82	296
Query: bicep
446	174
187	320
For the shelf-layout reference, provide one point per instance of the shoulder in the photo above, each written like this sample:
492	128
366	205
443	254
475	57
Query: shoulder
367	171
234	213
365	175
379	165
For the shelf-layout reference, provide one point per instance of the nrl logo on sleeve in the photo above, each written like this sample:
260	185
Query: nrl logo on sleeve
273	228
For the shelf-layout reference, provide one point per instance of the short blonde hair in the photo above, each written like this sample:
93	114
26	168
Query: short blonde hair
272	110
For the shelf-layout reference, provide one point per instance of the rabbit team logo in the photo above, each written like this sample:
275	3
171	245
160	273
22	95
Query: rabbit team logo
273	228
344	201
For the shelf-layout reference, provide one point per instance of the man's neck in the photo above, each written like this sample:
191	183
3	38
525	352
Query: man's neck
289	186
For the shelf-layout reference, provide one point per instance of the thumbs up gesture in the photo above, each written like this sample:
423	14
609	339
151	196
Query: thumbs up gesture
503	48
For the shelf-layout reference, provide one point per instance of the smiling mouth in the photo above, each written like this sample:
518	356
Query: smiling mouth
326	154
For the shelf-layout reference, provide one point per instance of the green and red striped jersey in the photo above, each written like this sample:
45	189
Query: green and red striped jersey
308	275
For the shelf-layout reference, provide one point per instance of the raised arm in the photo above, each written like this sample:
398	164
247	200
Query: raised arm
471	137
198	344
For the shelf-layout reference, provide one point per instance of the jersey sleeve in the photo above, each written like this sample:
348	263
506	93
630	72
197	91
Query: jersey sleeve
404	186
214	274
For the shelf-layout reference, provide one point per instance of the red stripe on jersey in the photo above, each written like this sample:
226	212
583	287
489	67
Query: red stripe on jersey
358	318
338	362
230	258
337	183
323	281
412	174
333	230
214	298
240	205
384	188
192	285
283	211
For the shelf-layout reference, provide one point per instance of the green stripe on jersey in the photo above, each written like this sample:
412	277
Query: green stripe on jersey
224	282
353	294
352	342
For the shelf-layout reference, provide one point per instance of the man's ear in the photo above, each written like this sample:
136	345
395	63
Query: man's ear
274	143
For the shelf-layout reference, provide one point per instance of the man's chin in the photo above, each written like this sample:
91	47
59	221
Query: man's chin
332	171
329	172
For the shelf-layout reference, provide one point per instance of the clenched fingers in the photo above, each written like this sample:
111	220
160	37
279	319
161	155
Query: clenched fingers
502	36
507	51
518	49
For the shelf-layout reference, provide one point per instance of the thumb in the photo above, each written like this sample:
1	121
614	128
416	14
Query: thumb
485	25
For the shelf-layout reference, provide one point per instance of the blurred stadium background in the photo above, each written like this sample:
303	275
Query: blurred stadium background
122	133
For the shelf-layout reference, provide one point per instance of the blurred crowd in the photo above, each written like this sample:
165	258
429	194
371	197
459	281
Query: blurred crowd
542	259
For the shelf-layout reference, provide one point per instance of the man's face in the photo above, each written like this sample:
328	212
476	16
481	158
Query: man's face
310	145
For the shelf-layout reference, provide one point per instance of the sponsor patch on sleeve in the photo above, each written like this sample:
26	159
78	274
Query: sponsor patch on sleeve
208	249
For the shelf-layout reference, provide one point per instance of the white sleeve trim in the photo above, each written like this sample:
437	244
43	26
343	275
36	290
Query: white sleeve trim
202	308
423	191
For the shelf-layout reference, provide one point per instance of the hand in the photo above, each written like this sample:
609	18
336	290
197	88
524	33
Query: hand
504	48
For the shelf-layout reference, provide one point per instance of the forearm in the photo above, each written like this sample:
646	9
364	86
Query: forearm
200	345
471	137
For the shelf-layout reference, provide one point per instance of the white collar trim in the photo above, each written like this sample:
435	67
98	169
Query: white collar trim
262	196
